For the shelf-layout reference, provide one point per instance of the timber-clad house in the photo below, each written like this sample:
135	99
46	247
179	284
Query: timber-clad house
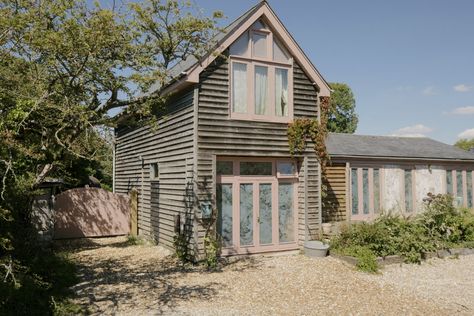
223	145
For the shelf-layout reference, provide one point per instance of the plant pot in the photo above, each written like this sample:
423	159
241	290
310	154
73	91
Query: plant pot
327	228
315	249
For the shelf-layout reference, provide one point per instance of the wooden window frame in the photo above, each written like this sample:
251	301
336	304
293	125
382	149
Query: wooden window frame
252	61
464	174
236	179
413	191
360	216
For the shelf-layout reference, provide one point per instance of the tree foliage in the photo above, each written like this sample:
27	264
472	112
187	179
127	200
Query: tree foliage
466	144
67	68
342	117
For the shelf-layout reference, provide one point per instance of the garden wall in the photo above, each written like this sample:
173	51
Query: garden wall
91	212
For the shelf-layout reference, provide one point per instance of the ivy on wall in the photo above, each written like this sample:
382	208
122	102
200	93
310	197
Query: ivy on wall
303	129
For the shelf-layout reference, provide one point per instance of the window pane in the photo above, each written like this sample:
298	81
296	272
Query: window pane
246	214
154	172
449	181
259	25
240	46
224	167
408	192
279	54
265	213
256	168
259	45
286	168
224	216
376	191
239	86
355	193
261	90
459	191
286	221
281	91
469	189
365	189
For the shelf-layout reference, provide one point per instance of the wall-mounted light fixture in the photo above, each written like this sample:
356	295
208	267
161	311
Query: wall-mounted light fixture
206	209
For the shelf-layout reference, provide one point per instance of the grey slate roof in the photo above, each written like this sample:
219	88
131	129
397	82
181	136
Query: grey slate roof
185	65
349	145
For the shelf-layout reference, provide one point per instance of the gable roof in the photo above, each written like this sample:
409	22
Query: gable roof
187	71
365	146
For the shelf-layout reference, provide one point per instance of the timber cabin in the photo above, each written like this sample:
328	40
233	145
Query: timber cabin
371	175
223	146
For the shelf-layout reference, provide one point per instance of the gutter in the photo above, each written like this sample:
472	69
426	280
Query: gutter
401	158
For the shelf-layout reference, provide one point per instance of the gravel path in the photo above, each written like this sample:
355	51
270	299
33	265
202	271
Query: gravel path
447	282
146	280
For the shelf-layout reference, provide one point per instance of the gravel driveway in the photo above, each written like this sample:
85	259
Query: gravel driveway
146	280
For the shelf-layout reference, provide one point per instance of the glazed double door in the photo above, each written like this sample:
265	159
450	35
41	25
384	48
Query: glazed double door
257	215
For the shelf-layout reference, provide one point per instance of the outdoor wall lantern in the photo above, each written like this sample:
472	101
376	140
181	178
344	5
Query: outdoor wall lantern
206	209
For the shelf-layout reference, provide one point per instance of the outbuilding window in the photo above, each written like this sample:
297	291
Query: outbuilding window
365	193
459	183
261	77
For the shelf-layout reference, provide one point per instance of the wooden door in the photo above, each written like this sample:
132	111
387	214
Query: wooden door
256	213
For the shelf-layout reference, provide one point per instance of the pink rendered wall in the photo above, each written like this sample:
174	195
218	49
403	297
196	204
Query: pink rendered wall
91	212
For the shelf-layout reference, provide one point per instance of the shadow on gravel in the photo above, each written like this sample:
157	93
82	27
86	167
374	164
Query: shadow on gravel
108	284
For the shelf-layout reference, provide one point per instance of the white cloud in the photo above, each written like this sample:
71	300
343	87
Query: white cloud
418	130
469	133
464	110
429	91
462	88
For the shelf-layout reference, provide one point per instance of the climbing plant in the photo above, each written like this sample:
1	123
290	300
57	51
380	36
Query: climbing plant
303	129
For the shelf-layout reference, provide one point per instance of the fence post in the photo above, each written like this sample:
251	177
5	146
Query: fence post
134	212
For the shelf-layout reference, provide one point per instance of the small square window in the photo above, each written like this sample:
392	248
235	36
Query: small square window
286	168
154	172
225	168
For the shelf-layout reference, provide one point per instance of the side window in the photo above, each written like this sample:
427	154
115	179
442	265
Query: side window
154	172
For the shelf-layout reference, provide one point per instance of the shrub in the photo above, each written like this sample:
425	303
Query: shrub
441	225
366	259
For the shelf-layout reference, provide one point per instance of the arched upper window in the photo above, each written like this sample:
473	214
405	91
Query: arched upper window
261	76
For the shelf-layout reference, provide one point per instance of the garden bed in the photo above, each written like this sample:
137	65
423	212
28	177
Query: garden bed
442	230
395	259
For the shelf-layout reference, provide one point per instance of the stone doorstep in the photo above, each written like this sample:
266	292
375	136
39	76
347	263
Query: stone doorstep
398	259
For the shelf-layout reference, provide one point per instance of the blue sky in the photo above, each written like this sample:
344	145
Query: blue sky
409	63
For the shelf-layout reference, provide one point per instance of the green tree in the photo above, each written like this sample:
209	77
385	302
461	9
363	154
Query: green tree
466	144
342	117
67	68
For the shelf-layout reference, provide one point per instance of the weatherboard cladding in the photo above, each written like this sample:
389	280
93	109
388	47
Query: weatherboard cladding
172	145
349	145
220	136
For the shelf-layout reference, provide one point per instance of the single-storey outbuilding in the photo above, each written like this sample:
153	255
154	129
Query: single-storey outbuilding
370	175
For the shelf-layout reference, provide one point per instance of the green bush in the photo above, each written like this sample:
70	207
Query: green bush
441	226
366	259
